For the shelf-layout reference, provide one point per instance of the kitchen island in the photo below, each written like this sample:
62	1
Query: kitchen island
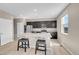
33	37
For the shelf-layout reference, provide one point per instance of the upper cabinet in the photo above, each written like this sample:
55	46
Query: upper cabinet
43	24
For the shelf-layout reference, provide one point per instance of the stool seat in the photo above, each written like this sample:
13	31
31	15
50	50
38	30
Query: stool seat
23	40
40	41
23	43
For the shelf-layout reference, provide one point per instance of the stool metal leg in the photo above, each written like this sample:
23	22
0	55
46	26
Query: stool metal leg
28	45
36	49
22	44
25	47
18	46
45	49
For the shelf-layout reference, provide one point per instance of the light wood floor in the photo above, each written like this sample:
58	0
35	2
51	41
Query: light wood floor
11	49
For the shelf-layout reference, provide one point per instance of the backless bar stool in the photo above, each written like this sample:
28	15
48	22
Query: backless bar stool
23	43
42	44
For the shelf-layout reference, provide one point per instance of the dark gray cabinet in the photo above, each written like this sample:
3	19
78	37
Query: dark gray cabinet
54	35
40	24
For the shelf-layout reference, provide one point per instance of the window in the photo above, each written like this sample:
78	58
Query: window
64	24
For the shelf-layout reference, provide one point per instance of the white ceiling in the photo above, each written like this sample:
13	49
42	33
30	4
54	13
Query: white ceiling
33	10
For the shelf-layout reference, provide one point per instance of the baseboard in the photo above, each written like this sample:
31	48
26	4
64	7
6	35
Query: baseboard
6	43
68	50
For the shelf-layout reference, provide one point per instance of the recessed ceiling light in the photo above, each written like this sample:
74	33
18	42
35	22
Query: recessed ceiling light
35	10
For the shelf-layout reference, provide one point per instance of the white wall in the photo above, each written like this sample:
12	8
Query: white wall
6	30
20	29
70	41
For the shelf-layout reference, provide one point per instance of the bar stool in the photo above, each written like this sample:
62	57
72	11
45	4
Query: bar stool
42	44
23	43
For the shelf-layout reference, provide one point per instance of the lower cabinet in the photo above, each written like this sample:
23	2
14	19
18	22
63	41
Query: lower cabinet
54	35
